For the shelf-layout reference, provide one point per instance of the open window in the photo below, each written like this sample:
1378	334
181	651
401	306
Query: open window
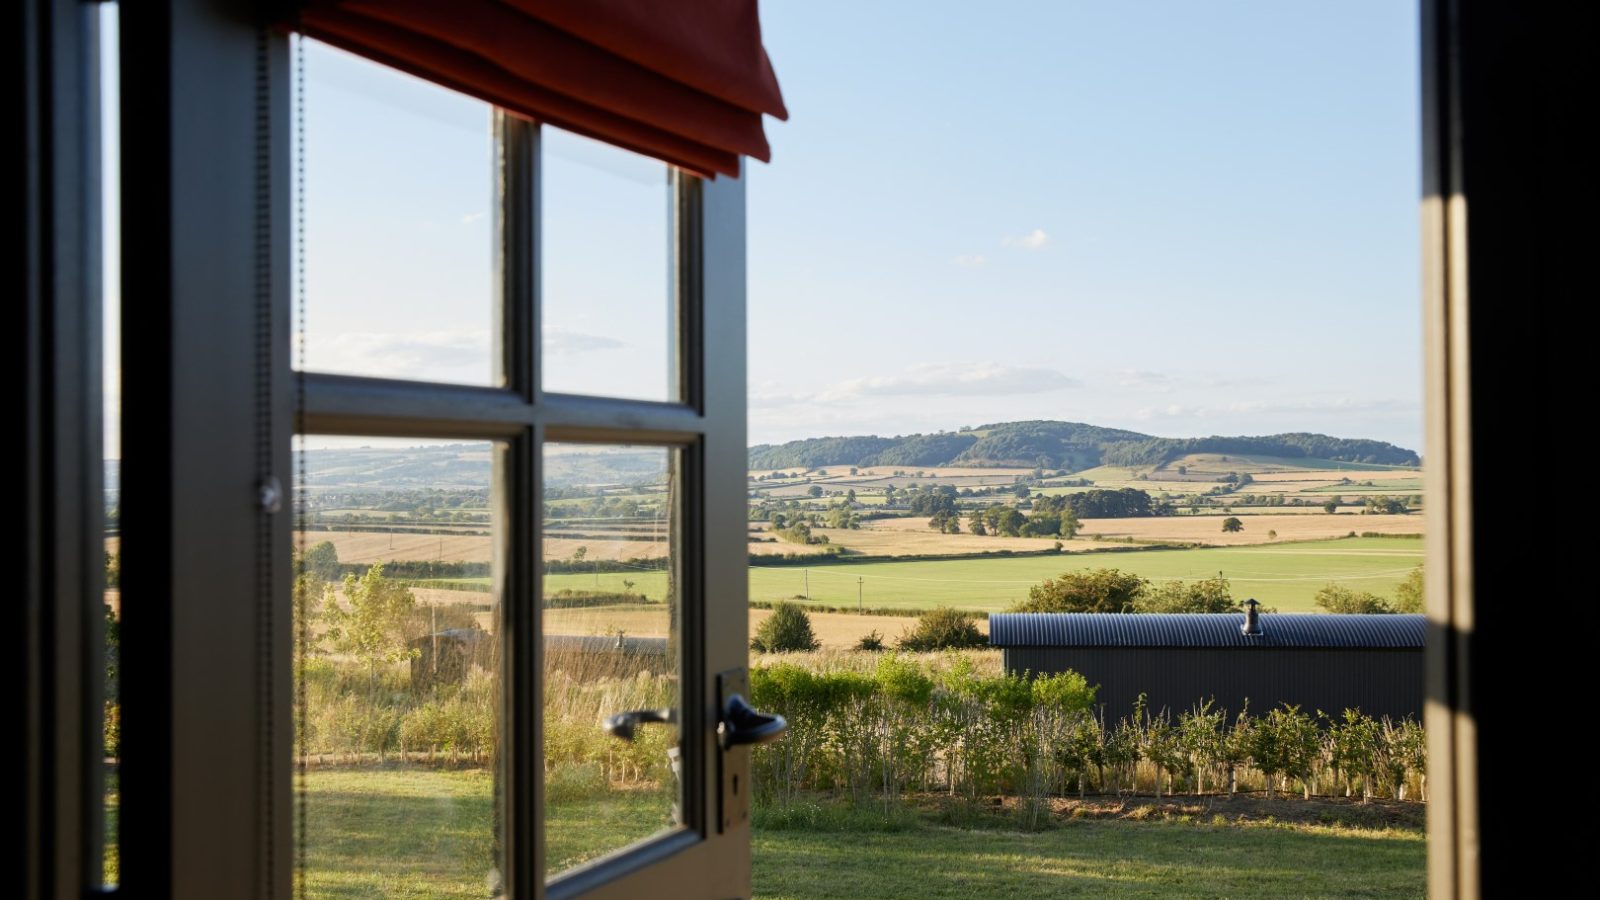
212	406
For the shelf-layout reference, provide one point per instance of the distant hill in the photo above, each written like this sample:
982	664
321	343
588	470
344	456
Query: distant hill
1060	445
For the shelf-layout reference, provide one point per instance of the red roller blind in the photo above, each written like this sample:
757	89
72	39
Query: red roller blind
684	81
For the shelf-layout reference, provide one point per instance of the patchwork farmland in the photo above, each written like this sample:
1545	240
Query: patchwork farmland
906	538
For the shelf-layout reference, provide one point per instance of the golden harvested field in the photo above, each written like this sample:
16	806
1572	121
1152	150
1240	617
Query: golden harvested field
563	548
782	547
1245	512
378	546
840	631
913	537
1333	476
367	547
438	597
837	631
1290	527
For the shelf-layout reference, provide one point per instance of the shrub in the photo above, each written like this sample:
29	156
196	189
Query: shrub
1063	691
872	640
1209	595
1338	599
113	729
787	630
1097	590
943	629
1408	597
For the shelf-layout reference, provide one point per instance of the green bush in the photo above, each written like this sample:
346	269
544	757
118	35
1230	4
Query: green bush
943	629
787	630
1408	597
1210	595
872	640
113	729
1339	599
1096	590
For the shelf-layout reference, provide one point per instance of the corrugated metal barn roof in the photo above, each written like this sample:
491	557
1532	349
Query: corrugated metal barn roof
1204	630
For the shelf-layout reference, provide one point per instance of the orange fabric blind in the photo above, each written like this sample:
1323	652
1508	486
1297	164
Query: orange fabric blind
684	81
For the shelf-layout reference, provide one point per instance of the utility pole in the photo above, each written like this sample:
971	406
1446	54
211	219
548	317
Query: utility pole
859	608
808	585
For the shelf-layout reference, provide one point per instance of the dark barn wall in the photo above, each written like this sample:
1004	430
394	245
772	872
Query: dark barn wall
1378	682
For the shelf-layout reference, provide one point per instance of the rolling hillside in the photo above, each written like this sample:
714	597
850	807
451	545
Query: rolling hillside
1061	445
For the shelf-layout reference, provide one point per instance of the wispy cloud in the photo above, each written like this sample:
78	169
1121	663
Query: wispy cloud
928	380
469	218
1150	380
417	354
460	355
952	379
1142	379
1033	240
971	260
560	342
1329	405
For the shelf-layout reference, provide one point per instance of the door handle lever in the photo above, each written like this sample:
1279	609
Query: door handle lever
624	724
742	724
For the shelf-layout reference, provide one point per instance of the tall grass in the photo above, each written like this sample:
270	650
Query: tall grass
870	728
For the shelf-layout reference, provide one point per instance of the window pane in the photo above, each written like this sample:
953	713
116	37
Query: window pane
609	311
399	637
611	599
399	223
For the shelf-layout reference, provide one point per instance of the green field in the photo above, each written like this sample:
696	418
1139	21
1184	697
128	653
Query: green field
1285	575
419	832
1389	486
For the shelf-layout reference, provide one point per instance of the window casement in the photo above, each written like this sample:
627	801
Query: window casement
208	659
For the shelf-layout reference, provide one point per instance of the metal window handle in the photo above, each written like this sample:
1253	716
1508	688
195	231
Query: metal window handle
622	725
741	724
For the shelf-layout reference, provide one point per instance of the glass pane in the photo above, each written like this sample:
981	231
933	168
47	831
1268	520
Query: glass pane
398	184
608	305
610	624
398	676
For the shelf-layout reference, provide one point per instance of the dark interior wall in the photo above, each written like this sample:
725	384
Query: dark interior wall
1378	682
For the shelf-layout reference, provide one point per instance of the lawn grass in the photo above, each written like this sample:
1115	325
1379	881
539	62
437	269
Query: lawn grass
403	832
414	831
1092	859
428	832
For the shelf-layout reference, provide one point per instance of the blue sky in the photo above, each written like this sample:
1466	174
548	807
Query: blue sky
1180	218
